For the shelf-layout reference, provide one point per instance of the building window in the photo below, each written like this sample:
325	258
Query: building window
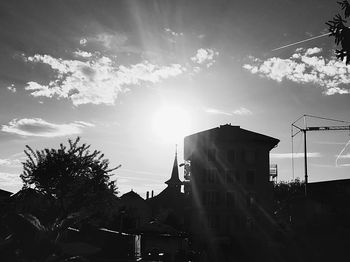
212	176
243	156
204	198
250	157
211	155
250	177
211	198
230	199
250	200
231	156
238	176
205	177
214	221
230	176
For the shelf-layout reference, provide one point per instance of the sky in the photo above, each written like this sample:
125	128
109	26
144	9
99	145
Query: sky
132	78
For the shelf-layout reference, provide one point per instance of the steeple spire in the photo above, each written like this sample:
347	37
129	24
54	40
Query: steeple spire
174	180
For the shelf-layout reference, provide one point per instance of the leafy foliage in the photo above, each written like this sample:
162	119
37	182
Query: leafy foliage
79	179
341	32
286	190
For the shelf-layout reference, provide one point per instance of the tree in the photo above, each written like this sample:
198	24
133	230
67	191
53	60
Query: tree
341	32
284	191
79	180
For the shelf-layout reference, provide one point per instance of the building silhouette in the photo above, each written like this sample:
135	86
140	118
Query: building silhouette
134	212
169	205
228	185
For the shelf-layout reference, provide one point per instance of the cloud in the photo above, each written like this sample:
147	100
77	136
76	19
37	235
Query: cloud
11	182
172	35
242	111
329	143
215	111
313	51
168	30
98	80
346	156
41	128
303	67
109	40
5	162
83	124
147	72
12	88
205	57
295	155
83	41
10	162
81	53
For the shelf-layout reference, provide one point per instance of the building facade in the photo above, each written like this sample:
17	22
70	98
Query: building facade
228	183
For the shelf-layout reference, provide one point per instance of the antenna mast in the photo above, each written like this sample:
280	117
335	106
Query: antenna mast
306	129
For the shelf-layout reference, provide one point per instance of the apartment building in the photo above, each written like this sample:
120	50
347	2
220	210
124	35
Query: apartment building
228	181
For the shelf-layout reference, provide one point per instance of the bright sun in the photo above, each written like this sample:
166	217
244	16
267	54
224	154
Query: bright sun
171	124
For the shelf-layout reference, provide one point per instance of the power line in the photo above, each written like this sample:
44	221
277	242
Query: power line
330	119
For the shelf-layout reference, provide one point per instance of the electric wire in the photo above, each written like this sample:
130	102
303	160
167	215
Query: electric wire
330	119
305	116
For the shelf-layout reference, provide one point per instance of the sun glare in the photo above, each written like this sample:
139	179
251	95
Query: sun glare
171	124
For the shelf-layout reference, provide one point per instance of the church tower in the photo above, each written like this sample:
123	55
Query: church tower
174	183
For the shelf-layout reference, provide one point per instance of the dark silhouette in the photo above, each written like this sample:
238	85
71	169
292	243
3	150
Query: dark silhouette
284	191
341	32
231	208
77	180
230	192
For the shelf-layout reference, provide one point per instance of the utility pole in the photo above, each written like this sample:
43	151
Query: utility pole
305	162
306	129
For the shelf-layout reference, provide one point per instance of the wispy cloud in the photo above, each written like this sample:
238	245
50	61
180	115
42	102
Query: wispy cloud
98	80
205	57
41	128
215	111
304	66
11	182
330	143
6	162
295	155
346	156
109	40
173	33
172	36
242	111
12	88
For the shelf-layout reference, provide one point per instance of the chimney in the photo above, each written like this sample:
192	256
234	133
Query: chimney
147	195
152	193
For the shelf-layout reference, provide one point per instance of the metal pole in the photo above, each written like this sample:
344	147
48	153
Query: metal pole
305	162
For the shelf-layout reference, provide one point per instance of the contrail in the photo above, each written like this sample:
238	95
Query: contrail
302	41
341	152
